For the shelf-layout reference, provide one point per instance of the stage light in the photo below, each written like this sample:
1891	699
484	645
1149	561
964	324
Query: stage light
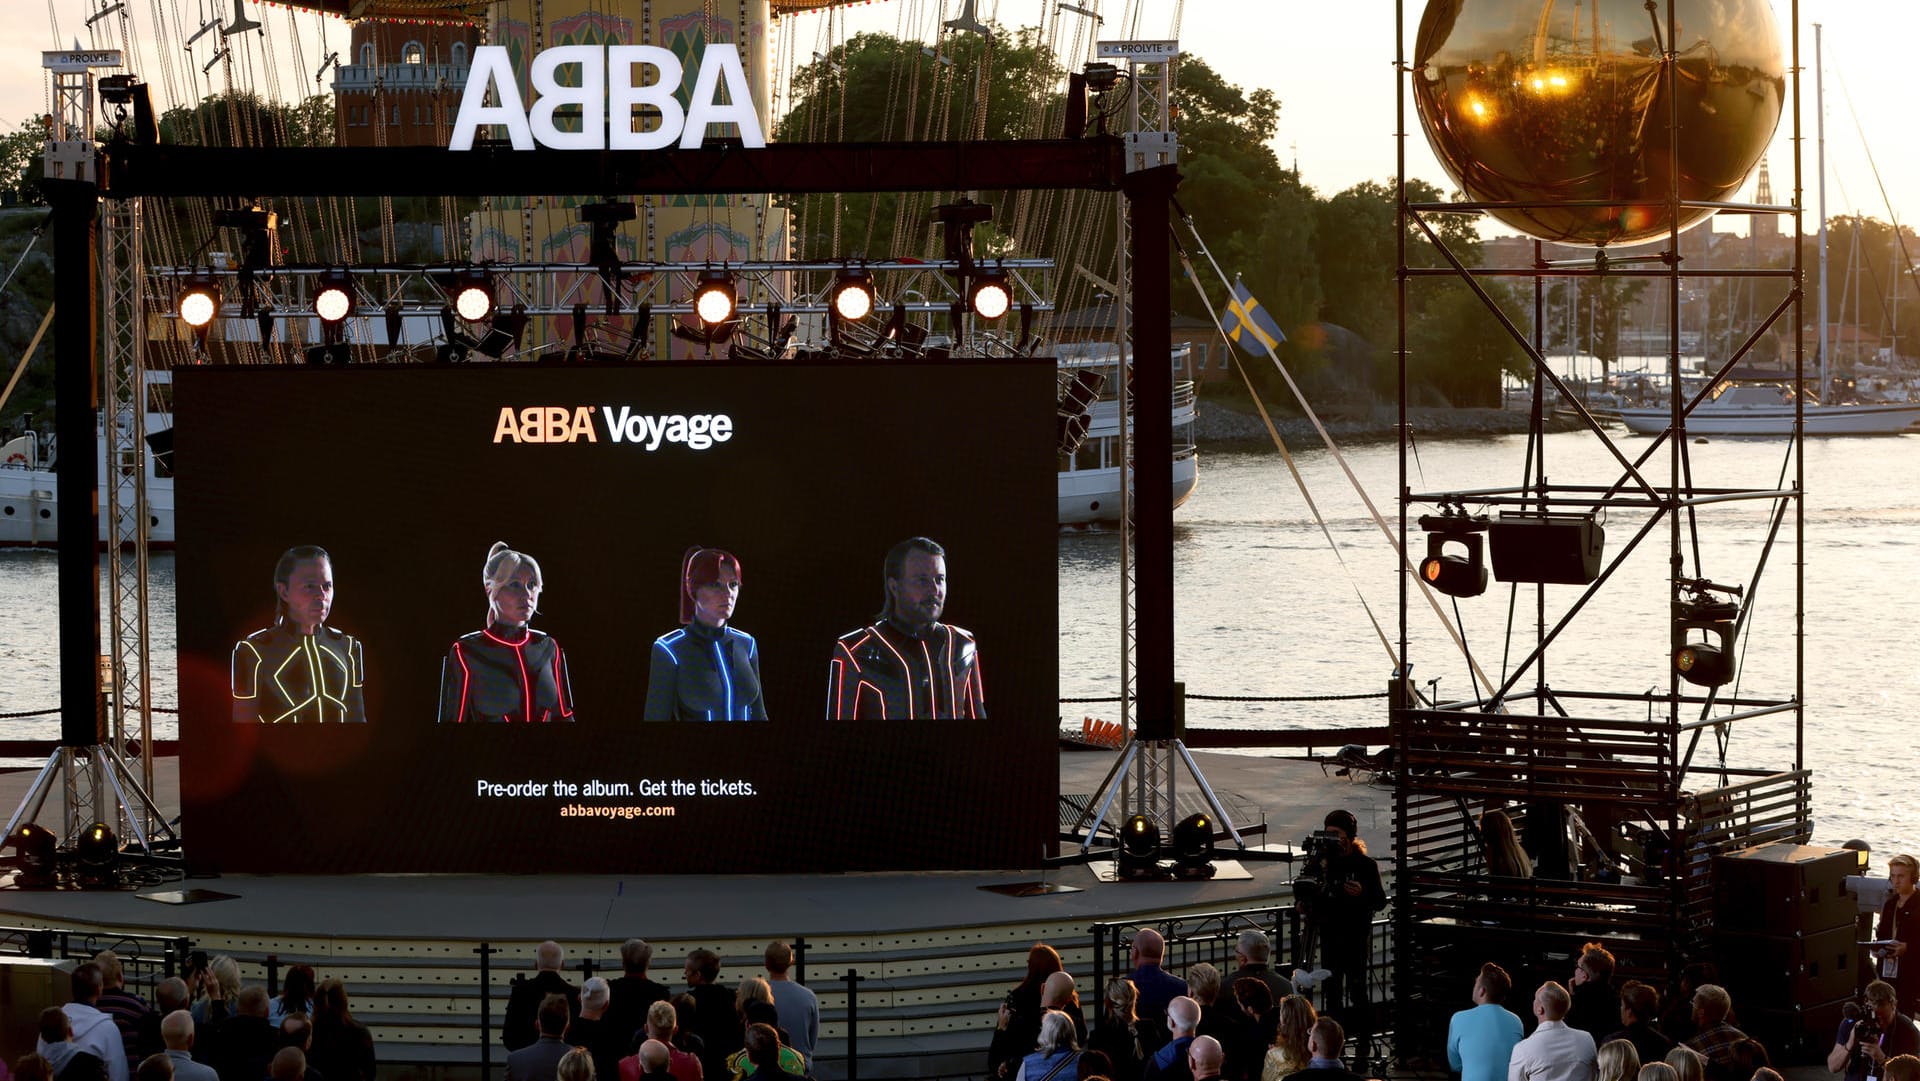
33	855
853	296
473	294
1139	856
991	296
1193	846
333	299
199	301
1452	573
714	298
98	854
1704	629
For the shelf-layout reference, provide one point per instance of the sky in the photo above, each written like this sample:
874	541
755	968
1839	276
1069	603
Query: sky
1330	64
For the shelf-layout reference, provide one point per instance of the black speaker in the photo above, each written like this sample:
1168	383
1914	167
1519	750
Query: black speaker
1562	549
1796	1034
1784	889
1784	970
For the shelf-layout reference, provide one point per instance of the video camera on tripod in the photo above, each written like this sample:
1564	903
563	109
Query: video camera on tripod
1321	873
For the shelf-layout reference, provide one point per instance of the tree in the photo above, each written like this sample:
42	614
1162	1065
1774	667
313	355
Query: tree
21	156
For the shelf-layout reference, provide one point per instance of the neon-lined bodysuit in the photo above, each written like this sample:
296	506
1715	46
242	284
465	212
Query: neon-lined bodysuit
884	670
703	673
505	674
281	676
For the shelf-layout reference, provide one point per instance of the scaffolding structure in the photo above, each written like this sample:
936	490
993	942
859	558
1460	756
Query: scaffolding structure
1639	779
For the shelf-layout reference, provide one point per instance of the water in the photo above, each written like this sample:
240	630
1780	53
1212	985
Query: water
1266	608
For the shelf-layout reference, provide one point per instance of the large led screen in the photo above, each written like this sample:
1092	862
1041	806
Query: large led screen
693	618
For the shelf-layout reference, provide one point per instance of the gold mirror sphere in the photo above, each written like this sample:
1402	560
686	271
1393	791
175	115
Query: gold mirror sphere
1566	101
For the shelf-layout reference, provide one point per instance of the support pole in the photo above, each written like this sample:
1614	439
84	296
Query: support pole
76	382
1149	203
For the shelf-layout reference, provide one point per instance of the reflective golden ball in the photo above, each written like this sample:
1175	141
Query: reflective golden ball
1565	103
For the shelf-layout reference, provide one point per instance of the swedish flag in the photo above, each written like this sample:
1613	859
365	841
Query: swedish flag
1252	328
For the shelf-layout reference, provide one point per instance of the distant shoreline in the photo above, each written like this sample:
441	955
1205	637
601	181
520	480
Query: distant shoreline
1218	425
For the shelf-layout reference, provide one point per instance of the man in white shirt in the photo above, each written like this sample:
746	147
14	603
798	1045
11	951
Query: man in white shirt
93	1031
1555	1052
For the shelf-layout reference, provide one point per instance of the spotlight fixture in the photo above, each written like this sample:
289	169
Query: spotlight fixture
1453	573
1704	629
1193	846
1139	856
199	300
98	854
990	297
473	294
333	297
853	296
33	856
714	299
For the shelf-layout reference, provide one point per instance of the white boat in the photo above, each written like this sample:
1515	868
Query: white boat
1768	410
1089	479
29	490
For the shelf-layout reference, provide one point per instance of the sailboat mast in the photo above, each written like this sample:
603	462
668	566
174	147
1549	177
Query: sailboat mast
1820	129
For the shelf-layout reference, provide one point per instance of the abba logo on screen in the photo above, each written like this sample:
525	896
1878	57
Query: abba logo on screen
583	424
606	89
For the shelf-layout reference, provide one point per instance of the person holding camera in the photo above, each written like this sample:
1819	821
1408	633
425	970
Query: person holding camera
1350	893
1862	1046
1900	924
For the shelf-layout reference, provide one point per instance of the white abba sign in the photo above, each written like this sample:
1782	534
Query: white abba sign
606	89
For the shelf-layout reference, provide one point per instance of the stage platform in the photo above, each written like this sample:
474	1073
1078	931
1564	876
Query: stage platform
934	952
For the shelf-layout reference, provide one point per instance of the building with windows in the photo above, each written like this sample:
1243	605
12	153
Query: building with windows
402	83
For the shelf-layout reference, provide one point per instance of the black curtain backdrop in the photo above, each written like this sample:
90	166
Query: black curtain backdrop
396	472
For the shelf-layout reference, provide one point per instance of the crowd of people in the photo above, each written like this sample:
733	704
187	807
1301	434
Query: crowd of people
207	1026
634	1027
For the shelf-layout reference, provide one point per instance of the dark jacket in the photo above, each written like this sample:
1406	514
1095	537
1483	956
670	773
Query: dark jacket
506	674
342	1052
538	1061
718	1027
1595	1010
246	1045
702	673
521	1026
885	671
627	1008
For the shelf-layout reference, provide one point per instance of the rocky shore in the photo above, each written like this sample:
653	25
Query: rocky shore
1216	424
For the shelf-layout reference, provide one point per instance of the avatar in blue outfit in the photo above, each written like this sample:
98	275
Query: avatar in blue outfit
706	670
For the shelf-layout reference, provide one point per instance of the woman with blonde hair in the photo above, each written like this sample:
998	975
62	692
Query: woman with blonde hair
1505	857
1618	1061
221	982
1289	1054
1117	1033
1657	1071
507	671
1687	1064
575	1065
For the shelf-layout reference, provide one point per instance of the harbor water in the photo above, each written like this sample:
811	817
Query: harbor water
1265	608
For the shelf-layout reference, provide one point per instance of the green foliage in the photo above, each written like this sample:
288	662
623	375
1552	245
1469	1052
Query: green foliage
21	153
247	119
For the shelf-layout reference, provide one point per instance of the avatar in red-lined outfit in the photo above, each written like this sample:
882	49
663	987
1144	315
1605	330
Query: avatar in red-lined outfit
907	665
508	672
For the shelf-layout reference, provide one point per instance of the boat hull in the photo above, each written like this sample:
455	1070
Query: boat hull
1092	496
1776	420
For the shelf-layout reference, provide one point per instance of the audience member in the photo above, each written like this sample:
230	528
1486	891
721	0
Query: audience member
1596	1007
1256	1001
715	1019
1290	1054
1616	1060
176	1031
90	1030
297	1031
287	1064
1639	1006
798	1007
1713	1037
1688	1064
1090	1064
684	1037
1902	1068
247	1039
1120	1034
1252	953
767	1055
1229	1026
169	995
758	1011
661	1024
1676	1018
540	1060
1325	1041
518	1030
1657	1071
139	1025
66	1058
1055	1052
1767	1073
219	992
1480	1041
1554	1052
296	994
1898	1036
1060	993
651	1061
154	1068
1749	1056
1205	1058
1183	1023
632	993
1157	987
342	1047
1505	857
32	1067
575	1065
1017	1025
590	1030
